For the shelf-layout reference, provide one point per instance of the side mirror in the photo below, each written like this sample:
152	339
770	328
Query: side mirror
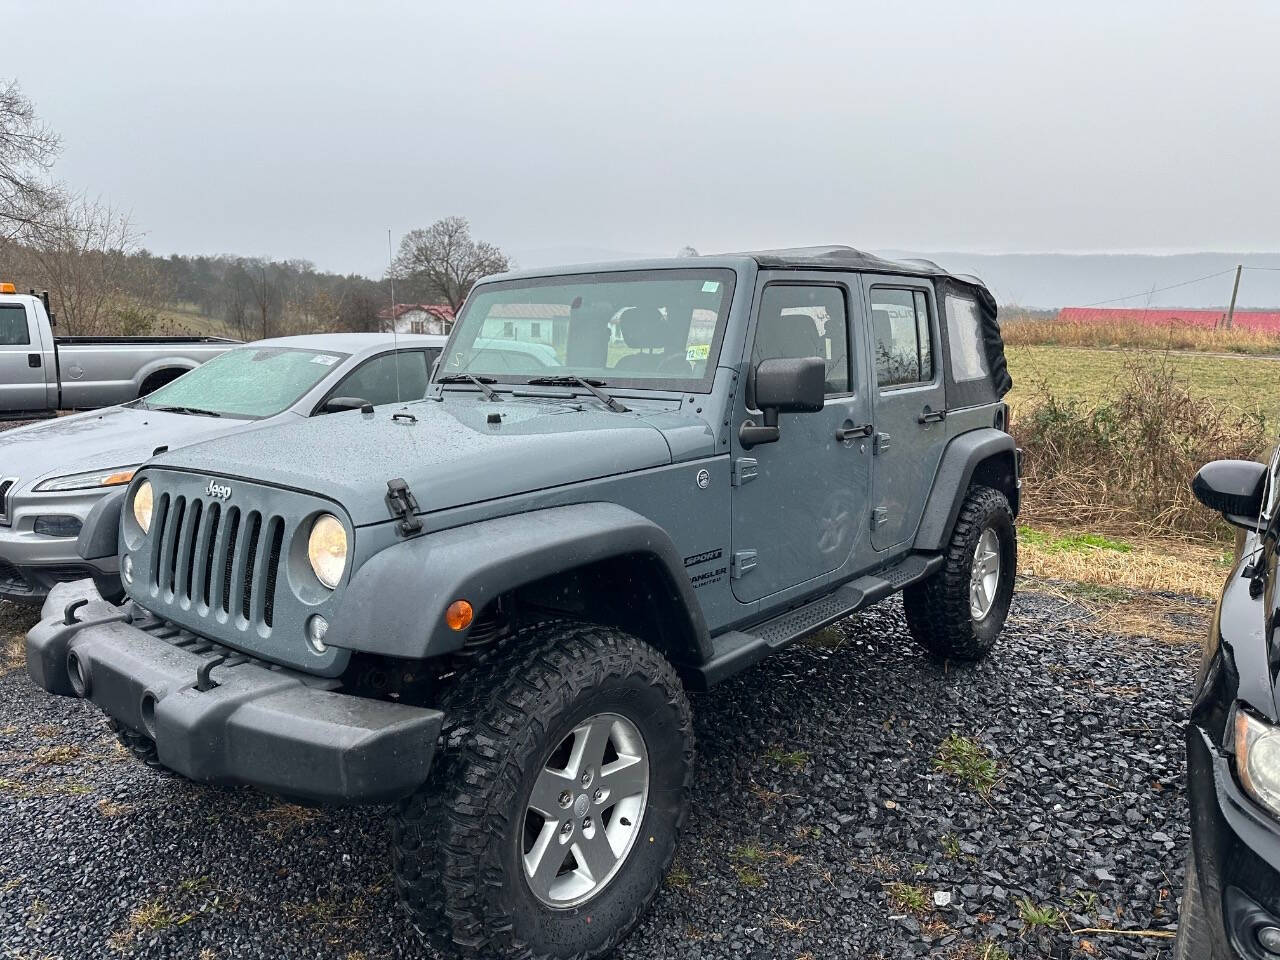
1232	487
784	386
342	404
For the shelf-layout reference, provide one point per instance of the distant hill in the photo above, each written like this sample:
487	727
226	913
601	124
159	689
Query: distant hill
1051	280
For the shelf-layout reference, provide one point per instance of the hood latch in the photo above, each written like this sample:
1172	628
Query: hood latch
403	504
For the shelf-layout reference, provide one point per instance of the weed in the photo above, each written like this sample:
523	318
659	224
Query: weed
908	897
791	759
1075	543
749	853
49	756
752	879
679	878
110	809
951	846
966	760
1034	916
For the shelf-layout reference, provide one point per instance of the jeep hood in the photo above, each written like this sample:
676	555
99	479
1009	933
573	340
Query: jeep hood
449	453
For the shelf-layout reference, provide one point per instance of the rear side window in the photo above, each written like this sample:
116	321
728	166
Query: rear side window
805	321
968	360
13	325
903	347
376	382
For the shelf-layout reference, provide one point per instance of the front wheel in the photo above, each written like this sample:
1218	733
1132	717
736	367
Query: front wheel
958	612
552	811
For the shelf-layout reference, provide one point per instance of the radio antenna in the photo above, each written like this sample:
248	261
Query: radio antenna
395	336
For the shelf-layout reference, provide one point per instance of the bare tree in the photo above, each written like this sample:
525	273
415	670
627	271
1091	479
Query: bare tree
445	258
687	251
81	251
28	197
266	297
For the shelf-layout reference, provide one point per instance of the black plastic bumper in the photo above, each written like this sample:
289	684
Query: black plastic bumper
237	720
1237	851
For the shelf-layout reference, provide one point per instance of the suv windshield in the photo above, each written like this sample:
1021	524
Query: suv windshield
248	382
646	328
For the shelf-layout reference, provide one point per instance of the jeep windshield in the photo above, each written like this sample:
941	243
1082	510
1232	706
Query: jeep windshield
248	383
654	328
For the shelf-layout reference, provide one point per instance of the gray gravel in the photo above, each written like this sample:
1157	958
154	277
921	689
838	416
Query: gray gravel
816	793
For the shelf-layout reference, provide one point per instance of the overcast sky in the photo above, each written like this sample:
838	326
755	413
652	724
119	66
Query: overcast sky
565	129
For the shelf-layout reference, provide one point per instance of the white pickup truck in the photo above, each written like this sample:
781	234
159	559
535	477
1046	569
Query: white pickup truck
40	373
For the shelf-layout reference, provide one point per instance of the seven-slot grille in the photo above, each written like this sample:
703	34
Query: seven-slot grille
6	487
214	557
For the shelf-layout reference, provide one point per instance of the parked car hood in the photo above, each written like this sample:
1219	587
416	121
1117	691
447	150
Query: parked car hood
99	440
450	454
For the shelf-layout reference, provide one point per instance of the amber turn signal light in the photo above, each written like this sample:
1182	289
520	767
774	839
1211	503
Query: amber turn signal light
459	615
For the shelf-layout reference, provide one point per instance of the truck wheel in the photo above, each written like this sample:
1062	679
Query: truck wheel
957	613
142	747
1195	936
553	806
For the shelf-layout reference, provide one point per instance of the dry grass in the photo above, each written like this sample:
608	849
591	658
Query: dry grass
1176	564
1167	336
1124	460
281	819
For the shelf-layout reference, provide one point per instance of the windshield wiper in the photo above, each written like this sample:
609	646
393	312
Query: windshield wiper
481	382
194	411
591	386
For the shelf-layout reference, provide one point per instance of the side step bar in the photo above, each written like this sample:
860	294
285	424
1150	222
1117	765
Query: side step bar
736	650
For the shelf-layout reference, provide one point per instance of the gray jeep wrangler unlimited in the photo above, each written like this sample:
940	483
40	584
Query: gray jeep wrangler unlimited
485	606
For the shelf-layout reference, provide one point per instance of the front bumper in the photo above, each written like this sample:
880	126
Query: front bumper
31	563
1237	851
217	716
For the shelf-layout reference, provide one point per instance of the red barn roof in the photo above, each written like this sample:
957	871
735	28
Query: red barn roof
1244	319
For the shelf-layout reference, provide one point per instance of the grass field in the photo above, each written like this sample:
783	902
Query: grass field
1249	383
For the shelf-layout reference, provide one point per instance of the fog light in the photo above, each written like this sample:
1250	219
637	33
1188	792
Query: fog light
57	525
459	615
1269	939
317	627
126	568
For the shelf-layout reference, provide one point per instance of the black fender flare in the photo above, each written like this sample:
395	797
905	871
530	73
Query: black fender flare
100	532
989	452
395	602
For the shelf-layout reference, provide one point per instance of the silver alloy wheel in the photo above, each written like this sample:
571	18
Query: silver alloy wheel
984	578
585	810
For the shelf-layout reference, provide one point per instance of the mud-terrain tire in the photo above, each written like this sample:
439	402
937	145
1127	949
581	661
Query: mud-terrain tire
140	745
1195	937
940	610
461	844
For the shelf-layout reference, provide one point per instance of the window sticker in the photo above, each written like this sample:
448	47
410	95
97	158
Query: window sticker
699	351
710	286
325	359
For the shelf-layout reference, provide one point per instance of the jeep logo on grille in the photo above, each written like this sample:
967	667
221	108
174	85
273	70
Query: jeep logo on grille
219	490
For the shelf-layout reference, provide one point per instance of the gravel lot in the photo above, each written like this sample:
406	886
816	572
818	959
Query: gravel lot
821	825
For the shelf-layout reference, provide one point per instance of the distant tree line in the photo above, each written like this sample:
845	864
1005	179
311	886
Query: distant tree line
101	281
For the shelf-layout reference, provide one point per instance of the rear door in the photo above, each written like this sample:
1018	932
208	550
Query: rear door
22	372
910	404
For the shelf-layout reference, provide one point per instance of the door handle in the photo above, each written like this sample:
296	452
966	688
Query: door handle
33	360
848	431
931	416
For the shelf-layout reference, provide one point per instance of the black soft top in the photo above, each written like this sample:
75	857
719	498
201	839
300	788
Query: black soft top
853	260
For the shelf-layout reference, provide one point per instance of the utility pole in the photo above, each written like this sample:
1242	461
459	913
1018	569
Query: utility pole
1235	289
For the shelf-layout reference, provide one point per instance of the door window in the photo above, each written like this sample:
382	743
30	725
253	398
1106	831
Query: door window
376	381
903	347
13	325
805	321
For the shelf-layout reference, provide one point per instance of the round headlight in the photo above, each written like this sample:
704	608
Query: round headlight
143	505
327	549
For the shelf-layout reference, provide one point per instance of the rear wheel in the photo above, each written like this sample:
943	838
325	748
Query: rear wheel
554	805
958	613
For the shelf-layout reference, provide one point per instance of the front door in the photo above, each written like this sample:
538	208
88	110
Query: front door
800	504
22	373
910	404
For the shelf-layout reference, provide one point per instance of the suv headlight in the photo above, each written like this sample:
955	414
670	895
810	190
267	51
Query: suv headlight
327	549
144	505
1258	760
87	481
